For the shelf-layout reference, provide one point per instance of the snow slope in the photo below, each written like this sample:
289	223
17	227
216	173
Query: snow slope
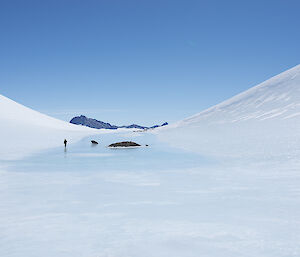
24	131
263	120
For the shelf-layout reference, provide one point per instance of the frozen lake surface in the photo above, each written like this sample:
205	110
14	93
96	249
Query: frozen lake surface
92	201
86	157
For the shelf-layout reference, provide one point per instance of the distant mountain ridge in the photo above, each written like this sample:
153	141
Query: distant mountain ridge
97	124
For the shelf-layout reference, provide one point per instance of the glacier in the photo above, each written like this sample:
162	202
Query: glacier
222	183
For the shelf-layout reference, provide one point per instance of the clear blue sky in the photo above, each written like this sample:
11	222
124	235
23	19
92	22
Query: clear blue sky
142	61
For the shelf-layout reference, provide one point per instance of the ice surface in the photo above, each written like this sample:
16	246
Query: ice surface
151	201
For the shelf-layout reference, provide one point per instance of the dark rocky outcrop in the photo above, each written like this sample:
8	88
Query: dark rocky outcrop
97	124
92	123
124	144
94	142
134	126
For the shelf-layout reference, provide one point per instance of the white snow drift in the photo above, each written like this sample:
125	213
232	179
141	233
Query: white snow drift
24	131
262	121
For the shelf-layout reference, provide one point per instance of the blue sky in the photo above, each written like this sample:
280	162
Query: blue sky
142	61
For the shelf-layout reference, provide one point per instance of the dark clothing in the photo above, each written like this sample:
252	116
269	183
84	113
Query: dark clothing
65	142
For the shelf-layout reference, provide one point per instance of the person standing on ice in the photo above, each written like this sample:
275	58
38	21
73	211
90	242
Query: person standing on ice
65	142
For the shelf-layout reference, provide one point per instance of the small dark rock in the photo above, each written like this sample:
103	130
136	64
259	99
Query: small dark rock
94	142
124	144
147	145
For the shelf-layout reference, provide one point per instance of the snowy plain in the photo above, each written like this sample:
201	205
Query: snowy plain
228	186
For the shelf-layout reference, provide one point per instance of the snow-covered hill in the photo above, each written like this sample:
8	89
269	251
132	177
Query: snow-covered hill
263	120
24	131
278	97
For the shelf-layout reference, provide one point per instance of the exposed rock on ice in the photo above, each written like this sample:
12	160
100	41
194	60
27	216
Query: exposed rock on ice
124	144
